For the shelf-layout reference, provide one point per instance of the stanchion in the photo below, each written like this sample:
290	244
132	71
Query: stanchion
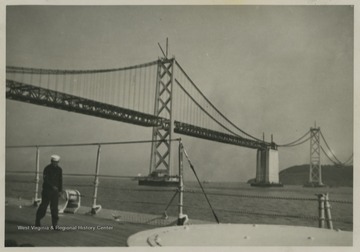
37	178
321	200
183	218
96	208
328	212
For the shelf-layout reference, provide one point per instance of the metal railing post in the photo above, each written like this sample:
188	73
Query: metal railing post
321	200
96	208
37	177
328	212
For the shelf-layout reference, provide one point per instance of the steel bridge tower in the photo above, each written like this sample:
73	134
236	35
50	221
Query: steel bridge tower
315	162
161	147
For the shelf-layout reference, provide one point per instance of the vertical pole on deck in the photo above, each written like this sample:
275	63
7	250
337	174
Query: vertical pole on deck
95	208
181	182
328	212
183	218
37	177
321	200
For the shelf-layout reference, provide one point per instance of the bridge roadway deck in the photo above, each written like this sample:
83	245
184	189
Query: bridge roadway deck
82	229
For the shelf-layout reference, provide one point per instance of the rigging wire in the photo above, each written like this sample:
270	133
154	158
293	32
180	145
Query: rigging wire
222	115
202	188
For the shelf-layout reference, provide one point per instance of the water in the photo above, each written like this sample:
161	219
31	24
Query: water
232	202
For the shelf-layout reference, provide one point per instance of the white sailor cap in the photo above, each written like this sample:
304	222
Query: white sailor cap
55	158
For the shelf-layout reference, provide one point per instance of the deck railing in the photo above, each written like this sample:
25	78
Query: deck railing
146	199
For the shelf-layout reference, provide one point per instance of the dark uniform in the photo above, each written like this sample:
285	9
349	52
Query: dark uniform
52	187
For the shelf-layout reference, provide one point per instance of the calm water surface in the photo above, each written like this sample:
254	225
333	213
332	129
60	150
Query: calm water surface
233	202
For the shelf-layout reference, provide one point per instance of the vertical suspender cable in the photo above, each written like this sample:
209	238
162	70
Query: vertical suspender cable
147	93
141	89
63	82
99	85
88	85
133	90
184	104
113	88
103	87
80	84
96	92
129	89
40	77
72	83
122	77
31	78
188	116
98	89
48	81
144	89
110	91
106	87
56	82
40	84
91	90
139	96
22	76
198	113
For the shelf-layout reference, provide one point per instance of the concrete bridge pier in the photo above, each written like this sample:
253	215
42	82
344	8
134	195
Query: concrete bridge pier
267	168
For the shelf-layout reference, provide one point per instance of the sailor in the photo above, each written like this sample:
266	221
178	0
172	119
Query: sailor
51	190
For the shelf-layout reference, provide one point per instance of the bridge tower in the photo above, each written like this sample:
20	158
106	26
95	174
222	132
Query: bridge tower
161	147
267	168
315	162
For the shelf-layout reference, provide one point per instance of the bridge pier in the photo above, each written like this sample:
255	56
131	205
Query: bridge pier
267	168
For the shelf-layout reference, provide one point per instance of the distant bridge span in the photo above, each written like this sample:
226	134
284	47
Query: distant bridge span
152	95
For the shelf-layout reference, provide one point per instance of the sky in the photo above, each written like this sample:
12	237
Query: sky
270	69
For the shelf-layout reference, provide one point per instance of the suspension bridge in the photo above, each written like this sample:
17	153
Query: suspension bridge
157	94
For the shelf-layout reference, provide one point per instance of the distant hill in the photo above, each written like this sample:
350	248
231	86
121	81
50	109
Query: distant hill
331	175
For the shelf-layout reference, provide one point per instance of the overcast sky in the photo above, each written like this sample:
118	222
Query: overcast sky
272	69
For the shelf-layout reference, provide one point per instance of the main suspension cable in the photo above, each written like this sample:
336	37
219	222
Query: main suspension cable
222	115
86	144
207	113
335	163
293	145
322	136
289	144
349	160
25	70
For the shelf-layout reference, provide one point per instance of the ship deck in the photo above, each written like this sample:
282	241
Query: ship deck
136	229
79	229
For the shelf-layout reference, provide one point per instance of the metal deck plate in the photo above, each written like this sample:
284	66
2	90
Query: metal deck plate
240	235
